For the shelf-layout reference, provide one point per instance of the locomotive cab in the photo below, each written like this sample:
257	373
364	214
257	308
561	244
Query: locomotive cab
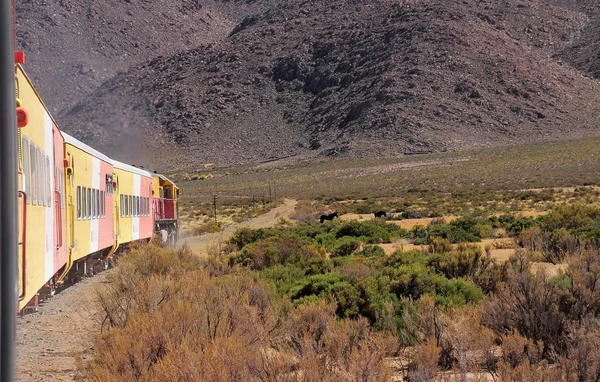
165	207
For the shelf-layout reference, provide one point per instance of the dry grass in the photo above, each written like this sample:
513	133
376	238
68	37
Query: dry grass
171	317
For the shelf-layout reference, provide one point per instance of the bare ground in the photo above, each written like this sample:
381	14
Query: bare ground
49	339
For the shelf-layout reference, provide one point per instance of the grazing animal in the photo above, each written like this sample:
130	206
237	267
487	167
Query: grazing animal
379	214
329	217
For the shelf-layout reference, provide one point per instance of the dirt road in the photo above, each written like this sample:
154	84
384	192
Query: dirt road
201	244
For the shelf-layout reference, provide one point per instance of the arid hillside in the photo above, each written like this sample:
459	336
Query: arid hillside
264	81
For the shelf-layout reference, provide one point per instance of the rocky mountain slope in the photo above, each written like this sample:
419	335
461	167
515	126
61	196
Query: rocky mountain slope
321	78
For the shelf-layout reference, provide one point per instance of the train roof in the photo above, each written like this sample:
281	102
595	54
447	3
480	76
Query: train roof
130	168
161	176
80	145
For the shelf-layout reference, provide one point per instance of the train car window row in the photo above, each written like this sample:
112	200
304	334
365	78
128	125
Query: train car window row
36	174
91	203
134	206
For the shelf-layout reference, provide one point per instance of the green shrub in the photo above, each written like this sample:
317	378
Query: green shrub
345	246
371	251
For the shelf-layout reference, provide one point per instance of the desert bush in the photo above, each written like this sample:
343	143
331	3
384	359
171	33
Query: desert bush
345	246
559	244
305	211
245	236
439	245
531	305
208	227
372	232
531	238
371	251
423	366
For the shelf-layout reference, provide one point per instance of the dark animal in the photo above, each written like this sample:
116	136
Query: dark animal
329	217
379	214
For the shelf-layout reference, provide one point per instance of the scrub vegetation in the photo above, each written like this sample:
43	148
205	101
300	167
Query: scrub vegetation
323	302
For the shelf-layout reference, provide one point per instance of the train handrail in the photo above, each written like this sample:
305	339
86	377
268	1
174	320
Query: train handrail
71	243
23	243
57	203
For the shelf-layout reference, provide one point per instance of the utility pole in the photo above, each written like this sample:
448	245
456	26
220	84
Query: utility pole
270	195
215	206
9	247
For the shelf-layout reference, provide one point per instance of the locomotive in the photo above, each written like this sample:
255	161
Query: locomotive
77	206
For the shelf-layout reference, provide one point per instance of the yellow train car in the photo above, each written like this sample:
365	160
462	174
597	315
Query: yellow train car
133	192
42	242
90	216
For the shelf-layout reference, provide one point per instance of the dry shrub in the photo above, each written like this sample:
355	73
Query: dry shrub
464	341
516	349
560	244
529	304
307	211
527	372
427	316
423	367
170	322
439	245
531	238
582	361
584	276
354	271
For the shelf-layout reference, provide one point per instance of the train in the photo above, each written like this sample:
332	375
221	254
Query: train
77	206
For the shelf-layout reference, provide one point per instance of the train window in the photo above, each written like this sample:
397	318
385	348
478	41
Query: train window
26	174
94	209
130	198
48	182
83	206
89	203
41	177
41	198
109	184
33	173
137	206
126	206
121	205
78	202
37	191
98	202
